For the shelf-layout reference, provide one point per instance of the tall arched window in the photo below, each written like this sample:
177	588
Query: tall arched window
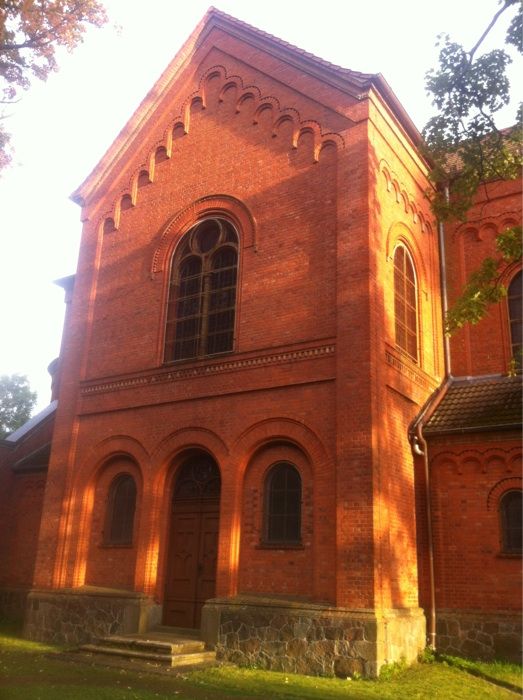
515	315
202	292
510	510
283	505
121	505
405	303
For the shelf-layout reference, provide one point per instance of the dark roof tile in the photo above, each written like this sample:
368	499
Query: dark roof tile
477	404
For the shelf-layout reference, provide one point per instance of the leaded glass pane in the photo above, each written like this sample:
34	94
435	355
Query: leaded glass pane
283	504
405	303
202	294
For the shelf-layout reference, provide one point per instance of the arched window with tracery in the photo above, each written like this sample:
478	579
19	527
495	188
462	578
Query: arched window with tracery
511	516
121	506
202	292
515	314
405	303
283	505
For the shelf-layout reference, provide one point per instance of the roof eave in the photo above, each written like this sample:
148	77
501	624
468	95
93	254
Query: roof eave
472	429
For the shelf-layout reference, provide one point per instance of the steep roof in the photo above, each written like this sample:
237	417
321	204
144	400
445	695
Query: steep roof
477	404
32	423
353	81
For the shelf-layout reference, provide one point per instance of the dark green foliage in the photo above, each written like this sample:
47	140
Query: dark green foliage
30	32
484	286
467	149
16	402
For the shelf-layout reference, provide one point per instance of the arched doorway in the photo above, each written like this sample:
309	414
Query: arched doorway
193	541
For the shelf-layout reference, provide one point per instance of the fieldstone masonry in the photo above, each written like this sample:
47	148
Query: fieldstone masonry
312	639
480	636
79	616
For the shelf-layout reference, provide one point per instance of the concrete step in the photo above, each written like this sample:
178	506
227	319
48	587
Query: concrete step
163	646
177	659
154	646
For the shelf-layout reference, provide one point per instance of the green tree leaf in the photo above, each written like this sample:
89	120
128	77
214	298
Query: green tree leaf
16	402
467	149
30	32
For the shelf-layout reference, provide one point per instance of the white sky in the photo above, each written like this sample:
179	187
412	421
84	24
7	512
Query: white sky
61	128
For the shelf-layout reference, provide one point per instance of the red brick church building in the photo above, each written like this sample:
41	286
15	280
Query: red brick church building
255	429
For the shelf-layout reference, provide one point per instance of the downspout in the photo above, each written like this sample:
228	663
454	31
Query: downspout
420	448
419	444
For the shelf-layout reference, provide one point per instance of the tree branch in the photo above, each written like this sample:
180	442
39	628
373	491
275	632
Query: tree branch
493	21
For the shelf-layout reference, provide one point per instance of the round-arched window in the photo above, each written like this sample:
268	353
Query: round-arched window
510	510
121	506
405	303
283	505
202	292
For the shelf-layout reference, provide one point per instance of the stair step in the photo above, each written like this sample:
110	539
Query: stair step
175	631
164	658
155	646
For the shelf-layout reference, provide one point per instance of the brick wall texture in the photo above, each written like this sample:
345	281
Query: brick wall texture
322	187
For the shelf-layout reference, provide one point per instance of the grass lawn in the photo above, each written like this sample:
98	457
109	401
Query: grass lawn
31	671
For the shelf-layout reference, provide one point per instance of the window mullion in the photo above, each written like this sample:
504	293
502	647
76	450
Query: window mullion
206	300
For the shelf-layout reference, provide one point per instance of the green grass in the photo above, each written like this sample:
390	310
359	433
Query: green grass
497	671
31	671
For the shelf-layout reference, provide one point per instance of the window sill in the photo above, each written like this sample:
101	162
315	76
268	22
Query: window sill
199	358
280	545
406	356
509	555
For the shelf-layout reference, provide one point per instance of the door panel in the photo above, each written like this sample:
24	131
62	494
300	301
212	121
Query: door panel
191	571
208	551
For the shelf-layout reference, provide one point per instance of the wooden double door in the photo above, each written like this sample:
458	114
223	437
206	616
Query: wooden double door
193	543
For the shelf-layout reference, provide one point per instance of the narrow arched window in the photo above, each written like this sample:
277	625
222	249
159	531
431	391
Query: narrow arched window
202	292
283	505
405	303
510	509
121	505
515	315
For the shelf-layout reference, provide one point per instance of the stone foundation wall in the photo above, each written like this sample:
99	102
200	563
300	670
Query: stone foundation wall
479	636
79	615
13	603
311	639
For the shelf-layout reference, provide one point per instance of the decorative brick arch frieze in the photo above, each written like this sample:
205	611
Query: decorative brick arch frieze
496	492
181	124
273	430
480	461
419	217
211	205
486	227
